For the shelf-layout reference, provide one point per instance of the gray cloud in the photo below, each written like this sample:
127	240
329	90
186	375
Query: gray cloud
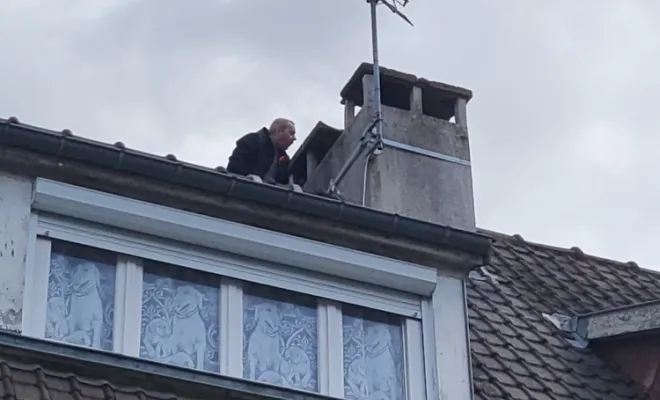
563	124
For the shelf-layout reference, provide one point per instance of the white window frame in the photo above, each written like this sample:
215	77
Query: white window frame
134	246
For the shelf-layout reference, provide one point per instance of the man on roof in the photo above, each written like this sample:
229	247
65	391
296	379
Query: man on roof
263	153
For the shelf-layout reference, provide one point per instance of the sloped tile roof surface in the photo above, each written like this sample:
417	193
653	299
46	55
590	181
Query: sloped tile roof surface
19	381
516	353
38	369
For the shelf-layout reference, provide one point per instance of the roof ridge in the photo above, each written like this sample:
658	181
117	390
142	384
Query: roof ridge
573	251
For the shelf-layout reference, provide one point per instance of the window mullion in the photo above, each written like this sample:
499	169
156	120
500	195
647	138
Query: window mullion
129	301
231	328
414	356
429	349
323	334
119	323
330	345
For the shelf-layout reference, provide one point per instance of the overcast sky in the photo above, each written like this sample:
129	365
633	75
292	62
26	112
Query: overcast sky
564	124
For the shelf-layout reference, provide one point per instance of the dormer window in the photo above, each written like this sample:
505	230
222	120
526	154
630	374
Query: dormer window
167	301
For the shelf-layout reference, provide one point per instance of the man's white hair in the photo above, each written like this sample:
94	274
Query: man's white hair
280	123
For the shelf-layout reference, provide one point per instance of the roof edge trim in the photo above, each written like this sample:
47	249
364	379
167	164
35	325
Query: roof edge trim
88	152
636	318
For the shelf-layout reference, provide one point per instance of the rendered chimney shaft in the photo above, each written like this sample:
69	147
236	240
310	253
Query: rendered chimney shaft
425	126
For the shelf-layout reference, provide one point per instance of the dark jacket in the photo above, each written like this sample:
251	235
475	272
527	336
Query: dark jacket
255	153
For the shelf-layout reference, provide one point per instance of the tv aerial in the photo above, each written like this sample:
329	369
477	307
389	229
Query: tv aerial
394	7
371	141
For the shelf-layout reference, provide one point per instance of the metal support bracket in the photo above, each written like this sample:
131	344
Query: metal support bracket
424	152
370	142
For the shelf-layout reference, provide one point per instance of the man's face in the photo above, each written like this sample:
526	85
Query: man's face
285	137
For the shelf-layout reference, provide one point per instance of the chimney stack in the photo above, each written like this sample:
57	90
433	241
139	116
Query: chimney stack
424	170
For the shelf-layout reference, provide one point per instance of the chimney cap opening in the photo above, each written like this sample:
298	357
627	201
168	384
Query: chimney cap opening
437	98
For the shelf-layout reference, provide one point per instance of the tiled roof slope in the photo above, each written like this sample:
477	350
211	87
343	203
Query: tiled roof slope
38	369
19	381
516	353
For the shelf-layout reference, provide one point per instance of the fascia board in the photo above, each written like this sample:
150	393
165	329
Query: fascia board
152	219
626	320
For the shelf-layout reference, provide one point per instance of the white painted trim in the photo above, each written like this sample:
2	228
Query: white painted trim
132	312
237	267
414	360
224	343
36	315
28	279
231	328
323	370
223	235
428	343
451	340
330	345
119	324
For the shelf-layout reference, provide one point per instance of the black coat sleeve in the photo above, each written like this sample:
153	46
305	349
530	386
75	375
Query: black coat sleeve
244	155
283	170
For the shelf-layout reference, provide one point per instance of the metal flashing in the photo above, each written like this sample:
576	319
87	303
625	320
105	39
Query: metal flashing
614	322
423	152
632	319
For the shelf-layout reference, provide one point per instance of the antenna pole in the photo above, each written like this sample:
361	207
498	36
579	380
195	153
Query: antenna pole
371	140
376	64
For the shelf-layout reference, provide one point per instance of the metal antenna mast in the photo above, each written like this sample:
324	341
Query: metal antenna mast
372	137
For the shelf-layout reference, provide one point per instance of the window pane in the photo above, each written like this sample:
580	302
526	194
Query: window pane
373	355
279	338
81	295
180	309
